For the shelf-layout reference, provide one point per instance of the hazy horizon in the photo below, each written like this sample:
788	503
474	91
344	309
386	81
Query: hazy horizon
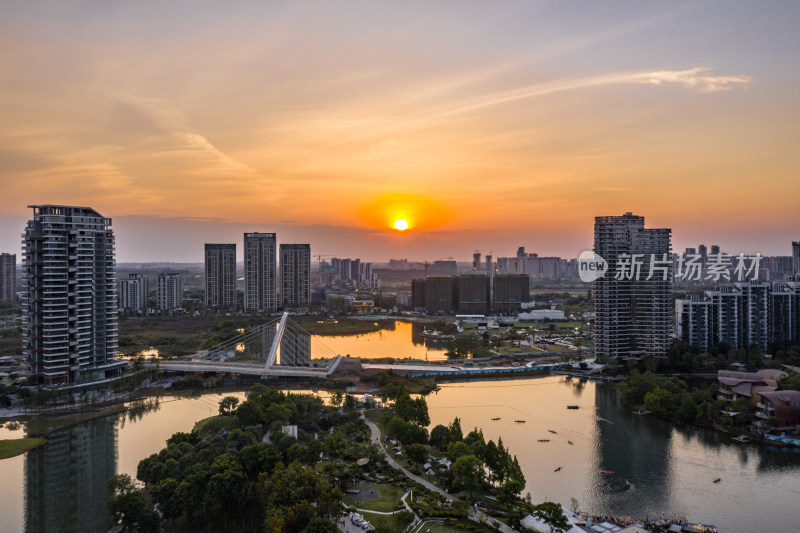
176	240
486	126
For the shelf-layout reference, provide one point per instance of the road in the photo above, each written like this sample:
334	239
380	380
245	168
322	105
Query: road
376	439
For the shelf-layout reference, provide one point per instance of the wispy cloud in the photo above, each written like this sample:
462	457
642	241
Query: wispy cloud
696	79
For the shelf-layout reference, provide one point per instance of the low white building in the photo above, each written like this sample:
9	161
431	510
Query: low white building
542	314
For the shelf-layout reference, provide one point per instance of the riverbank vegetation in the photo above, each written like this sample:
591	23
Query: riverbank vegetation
173	336
673	399
14	447
682	358
245	470
340	325
459	463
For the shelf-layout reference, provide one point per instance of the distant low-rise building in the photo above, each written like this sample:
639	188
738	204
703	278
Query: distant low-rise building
782	405
362	307
445	267
734	385
541	314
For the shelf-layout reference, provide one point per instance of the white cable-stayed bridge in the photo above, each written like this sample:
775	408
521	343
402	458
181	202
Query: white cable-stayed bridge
280	348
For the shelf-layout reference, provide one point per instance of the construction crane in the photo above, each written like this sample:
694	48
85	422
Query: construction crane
319	265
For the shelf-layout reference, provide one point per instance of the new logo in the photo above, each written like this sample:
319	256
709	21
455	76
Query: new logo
591	266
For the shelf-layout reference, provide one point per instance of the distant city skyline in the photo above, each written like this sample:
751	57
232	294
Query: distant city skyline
177	240
483	126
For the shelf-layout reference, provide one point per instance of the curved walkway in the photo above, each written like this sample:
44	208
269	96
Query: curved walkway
480	515
376	439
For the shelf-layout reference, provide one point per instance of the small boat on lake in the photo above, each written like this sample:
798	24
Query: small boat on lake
557	469
553	432
519	421
544	440
718	480
496	418
642	412
607	472
572	407
742	438
570	442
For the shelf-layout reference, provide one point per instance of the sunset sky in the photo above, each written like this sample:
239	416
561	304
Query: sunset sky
487	125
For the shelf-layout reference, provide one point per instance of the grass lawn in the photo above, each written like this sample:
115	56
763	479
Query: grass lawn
388	523
212	424
554	348
509	350
340	326
14	447
390	497
440	527
568	325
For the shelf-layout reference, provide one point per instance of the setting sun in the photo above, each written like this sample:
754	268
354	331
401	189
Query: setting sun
401	224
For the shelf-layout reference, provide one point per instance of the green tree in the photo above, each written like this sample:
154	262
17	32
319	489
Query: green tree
336	398
227	405
551	514
510	491
131	507
349	402
417	453
455	430
250	413
468	473
414	434
458	449
440	437
396	427
296	498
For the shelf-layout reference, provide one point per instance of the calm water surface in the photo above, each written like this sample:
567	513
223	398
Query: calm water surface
396	339
659	468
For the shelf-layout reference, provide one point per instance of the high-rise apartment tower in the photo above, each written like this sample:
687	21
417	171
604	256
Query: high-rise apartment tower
295	276
221	276
70	296
8	277
633	300
169	291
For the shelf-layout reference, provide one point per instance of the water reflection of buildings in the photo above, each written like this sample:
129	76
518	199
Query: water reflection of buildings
638	450
65	480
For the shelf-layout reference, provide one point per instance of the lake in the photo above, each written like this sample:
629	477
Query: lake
659	467
396	339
